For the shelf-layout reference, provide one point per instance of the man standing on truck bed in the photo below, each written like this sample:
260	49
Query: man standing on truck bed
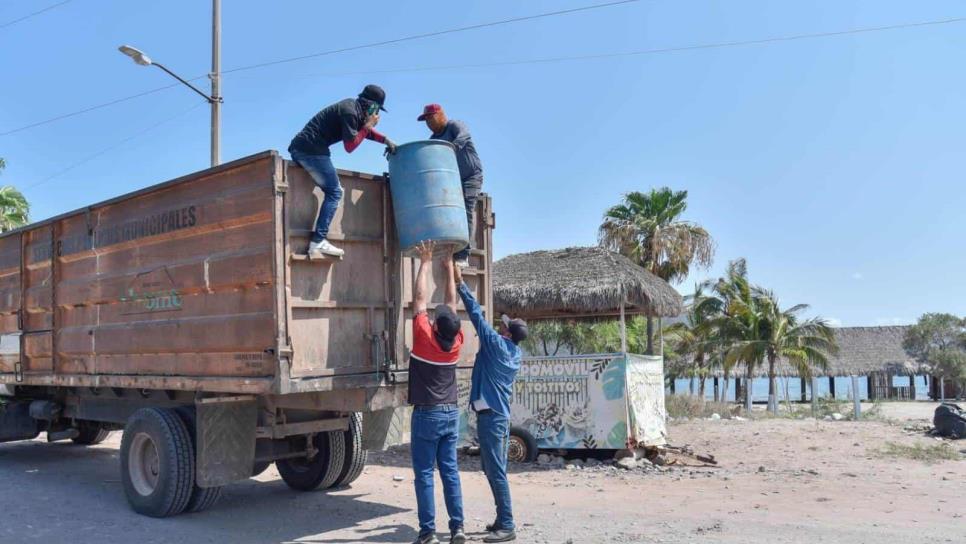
349	121
432	392
497	363
471	170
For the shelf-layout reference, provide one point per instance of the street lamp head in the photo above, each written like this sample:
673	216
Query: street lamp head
136	54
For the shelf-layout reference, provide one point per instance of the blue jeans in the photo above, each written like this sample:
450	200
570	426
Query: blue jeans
435	432
493	430
323	173
471	193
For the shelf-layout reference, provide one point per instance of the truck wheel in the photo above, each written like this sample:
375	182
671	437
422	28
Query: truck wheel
157	463
355	455
522	447
91	433
260	467
202	498
319	472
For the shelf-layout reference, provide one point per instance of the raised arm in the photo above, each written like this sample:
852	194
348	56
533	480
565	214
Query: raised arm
450	283
483	328
421	289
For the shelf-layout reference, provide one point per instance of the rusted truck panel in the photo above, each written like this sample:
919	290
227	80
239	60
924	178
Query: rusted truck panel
202	284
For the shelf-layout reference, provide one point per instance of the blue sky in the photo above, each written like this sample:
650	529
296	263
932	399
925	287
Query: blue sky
834	165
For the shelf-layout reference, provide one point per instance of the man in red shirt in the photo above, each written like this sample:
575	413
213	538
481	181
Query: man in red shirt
432	392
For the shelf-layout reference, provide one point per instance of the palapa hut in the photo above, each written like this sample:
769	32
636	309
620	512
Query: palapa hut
586	401
872	353
579	282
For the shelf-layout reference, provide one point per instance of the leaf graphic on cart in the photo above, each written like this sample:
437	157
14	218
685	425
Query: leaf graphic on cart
613	379
598	367
590	443
617	438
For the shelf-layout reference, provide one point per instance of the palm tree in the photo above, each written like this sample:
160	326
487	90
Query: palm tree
758	330
14	208
646	227
695	340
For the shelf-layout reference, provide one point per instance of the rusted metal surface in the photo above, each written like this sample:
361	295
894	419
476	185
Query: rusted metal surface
195	284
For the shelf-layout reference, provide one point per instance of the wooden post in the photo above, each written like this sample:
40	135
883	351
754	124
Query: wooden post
624	328
738	398
912	386
716	390
869	387
814	395
802	381
856	401
942	389
831	387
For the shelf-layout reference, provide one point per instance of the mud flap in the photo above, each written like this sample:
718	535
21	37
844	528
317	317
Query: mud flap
382	429
225	437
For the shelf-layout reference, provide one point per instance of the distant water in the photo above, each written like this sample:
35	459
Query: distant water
759	390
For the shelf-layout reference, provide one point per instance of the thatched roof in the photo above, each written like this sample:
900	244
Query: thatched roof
578	281
862	351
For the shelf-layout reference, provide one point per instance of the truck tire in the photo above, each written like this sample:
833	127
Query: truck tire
319	472
202	498
355	455
157	463
91	433
522	447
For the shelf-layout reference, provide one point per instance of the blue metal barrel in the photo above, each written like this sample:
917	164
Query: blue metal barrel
427	195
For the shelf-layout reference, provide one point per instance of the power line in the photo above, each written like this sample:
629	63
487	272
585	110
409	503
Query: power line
426	35
29	15
646	51
314	55
92	108
116	145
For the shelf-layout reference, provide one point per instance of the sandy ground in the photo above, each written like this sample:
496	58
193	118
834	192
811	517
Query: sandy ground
779	481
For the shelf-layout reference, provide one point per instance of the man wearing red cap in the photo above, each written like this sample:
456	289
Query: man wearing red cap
471	170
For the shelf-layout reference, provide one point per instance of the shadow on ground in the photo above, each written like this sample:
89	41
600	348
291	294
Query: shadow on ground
65	493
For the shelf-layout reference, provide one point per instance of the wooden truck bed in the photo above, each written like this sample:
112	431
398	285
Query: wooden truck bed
201	284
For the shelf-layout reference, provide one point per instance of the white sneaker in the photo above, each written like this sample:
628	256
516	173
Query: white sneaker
319	249
463	263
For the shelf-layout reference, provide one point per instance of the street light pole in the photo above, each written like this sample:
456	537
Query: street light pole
215	83
215	76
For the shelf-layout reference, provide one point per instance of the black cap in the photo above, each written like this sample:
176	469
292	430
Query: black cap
447	322
517	327
375	94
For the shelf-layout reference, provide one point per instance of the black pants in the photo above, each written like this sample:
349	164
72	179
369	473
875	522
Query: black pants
471	193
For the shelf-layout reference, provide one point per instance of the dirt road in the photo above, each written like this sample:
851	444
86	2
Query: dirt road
780	481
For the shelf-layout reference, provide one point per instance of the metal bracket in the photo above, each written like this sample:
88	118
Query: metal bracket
18	371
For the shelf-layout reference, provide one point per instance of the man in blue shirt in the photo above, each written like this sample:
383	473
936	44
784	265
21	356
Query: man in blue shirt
468	161
497	363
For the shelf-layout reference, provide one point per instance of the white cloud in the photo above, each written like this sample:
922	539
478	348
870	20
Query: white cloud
857	276
881	321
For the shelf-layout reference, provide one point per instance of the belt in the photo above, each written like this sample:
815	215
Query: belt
435	407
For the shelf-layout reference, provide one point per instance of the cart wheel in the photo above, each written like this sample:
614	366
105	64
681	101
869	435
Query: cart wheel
522	447
91	433
260	467
319	472
157	463
355	456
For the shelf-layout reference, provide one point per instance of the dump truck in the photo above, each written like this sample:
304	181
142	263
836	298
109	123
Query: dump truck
188	315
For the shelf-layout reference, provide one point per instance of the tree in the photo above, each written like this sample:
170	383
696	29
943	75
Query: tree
646	227
780	334
573	337
694	342
753	329
14	209
938	342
